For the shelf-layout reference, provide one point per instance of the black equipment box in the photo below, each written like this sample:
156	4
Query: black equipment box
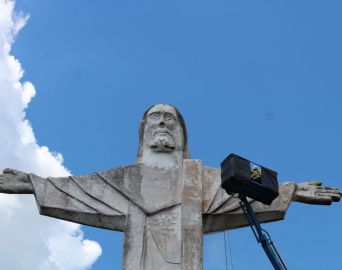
238	175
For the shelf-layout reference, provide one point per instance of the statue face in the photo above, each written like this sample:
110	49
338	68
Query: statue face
163	131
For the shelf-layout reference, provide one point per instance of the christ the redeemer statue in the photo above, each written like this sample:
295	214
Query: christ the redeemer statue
164	203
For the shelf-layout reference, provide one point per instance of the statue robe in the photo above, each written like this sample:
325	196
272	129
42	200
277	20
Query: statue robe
163	212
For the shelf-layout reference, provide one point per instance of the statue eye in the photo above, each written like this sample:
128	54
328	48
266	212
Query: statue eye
154	116
169	117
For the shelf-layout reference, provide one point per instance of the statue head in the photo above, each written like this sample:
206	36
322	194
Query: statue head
163	138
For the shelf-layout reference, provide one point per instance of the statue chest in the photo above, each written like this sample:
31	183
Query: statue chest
164	221
160	189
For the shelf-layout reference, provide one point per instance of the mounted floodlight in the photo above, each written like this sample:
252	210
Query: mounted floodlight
246	178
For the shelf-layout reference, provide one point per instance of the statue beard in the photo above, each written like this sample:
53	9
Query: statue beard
162	142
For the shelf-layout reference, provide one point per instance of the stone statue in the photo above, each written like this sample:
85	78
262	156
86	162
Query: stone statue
164	203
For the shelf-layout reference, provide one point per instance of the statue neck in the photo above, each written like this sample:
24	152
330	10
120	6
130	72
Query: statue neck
161	159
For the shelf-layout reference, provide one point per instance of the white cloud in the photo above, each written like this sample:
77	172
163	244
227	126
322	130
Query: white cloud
30	241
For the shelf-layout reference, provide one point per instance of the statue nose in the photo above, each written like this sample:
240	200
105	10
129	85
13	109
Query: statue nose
162	123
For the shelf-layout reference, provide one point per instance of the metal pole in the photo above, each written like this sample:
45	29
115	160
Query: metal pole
262	236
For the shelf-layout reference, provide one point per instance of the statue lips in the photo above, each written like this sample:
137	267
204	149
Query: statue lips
161	131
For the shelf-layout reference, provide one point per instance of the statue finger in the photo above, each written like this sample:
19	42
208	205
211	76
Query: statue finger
315	183
10	171
323	200
329	191
335	196
315	199
327	188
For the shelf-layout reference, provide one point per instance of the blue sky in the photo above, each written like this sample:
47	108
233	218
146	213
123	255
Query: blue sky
261	79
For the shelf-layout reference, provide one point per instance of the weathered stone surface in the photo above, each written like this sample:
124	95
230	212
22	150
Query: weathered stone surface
164	203
192	229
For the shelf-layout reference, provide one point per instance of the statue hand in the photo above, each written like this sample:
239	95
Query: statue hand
14	181
312	192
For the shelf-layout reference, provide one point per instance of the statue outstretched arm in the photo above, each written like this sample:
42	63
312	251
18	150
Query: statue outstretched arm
92	199
222	211
15	182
